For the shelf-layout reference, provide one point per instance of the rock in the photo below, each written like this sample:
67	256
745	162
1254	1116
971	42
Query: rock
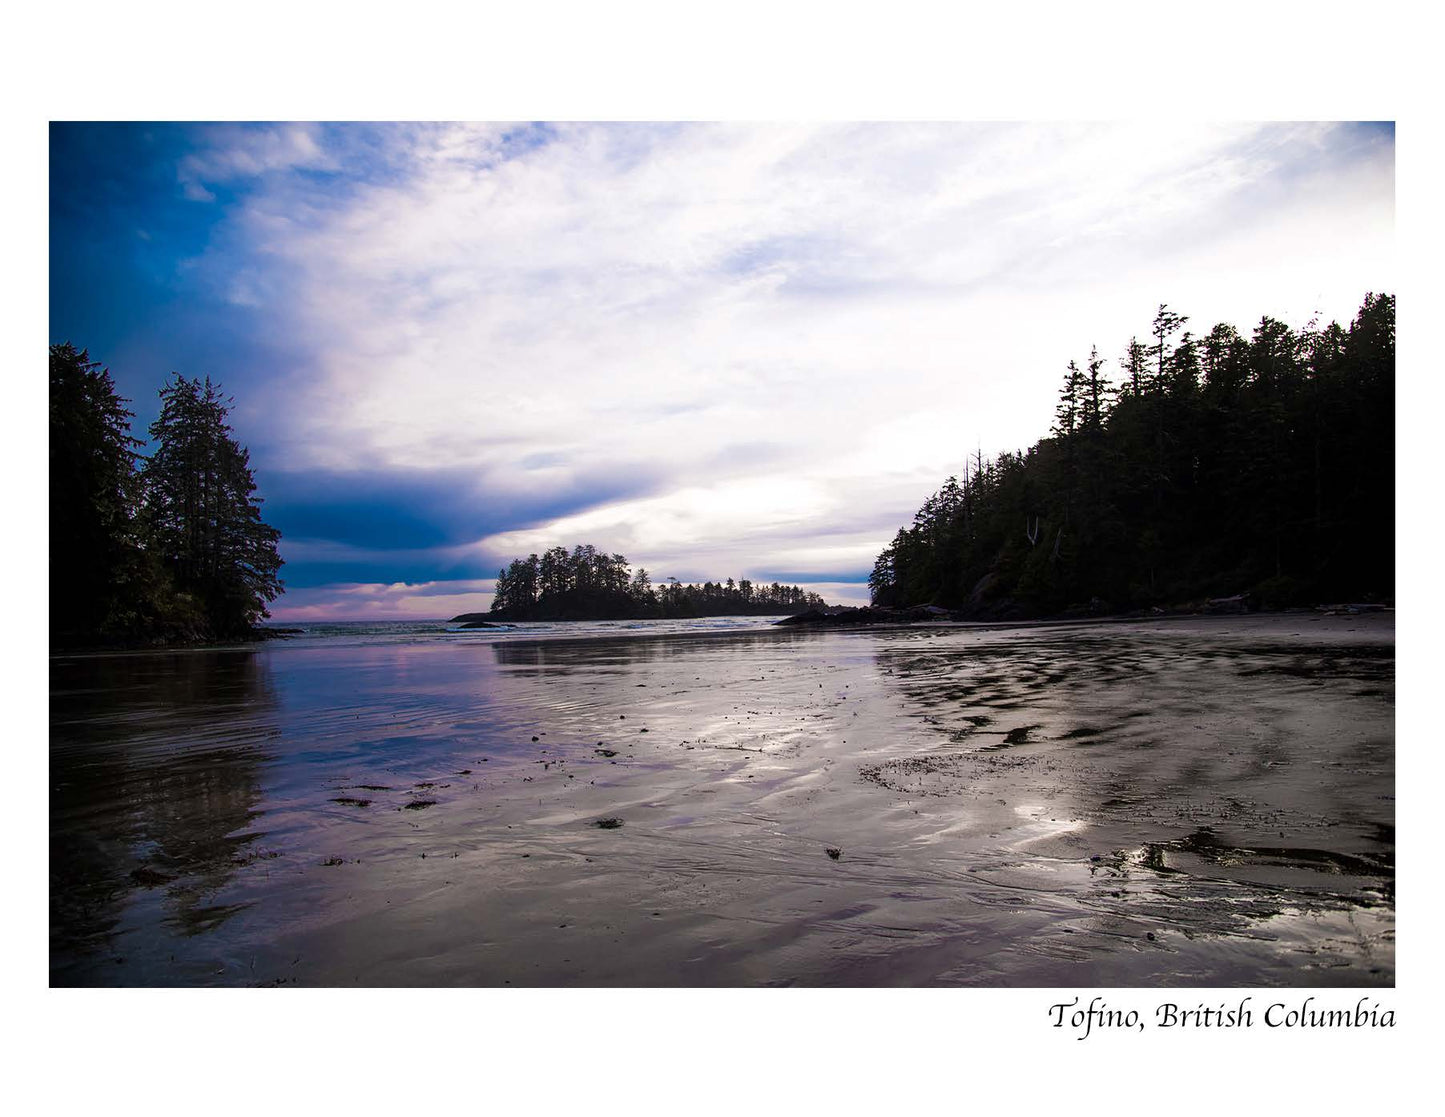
841	615
834	852
608	823
1351	610
809	616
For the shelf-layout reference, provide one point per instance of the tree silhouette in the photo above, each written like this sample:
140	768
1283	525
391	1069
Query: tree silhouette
1219	466
95	553
588	584
173	551
202	513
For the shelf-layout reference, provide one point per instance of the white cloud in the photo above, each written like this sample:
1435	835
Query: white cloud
237	151
394	601
796	326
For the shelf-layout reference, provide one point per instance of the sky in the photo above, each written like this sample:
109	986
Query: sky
722	350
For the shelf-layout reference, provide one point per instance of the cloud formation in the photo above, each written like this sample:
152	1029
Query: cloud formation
722	350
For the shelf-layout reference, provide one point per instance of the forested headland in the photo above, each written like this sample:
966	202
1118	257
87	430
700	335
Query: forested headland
1214	465
588	584
157	549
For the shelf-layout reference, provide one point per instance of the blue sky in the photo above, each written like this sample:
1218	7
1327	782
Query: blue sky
721	350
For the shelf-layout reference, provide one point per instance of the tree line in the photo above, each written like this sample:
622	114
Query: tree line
151	549
1213	465
588	584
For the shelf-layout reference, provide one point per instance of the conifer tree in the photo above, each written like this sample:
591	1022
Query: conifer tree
1066	415
1165	323
202	513
93	543
1094	391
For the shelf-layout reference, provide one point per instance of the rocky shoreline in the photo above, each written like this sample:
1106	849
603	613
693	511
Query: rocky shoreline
259	634
842	616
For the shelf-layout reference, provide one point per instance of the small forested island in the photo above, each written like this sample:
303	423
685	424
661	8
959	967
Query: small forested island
168	548
588	584
1261	470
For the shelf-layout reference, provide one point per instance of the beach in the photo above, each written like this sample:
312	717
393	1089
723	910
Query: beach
1199	801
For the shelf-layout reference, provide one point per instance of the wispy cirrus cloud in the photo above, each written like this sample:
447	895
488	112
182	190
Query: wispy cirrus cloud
229	153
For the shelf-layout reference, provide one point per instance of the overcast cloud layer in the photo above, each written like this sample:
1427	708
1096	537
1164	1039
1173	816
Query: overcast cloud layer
721	350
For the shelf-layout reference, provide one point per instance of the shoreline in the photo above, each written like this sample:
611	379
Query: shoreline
481	636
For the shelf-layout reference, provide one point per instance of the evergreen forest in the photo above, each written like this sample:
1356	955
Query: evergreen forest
165	548
588	584
1213	465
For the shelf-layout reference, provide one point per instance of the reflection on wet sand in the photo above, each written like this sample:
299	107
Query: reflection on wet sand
1237	786
542	657
1203	803
154	766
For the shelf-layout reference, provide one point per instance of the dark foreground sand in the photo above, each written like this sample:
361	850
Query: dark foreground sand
1183	802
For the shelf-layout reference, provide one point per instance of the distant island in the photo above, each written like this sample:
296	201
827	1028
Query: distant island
1255	471
588	584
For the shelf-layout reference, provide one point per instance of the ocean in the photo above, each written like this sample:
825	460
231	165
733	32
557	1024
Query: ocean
408	630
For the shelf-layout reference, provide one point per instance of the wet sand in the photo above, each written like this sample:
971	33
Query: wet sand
1187	802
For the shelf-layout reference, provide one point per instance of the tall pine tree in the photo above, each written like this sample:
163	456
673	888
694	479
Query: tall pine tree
93	546
203	515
